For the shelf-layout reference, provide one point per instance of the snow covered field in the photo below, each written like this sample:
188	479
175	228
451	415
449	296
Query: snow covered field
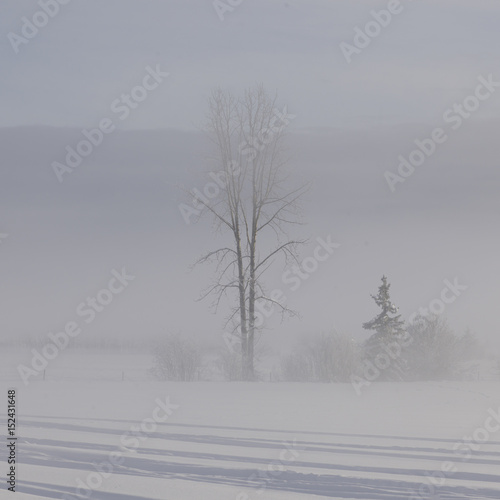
216	441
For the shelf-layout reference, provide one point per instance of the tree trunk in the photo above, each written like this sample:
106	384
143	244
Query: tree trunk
251	294
243	311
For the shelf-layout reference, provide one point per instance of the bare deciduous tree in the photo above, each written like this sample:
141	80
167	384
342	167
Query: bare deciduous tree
254	199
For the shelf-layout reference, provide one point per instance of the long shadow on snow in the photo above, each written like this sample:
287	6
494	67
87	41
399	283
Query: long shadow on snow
60	455
56	491
332	486
338	448
274	431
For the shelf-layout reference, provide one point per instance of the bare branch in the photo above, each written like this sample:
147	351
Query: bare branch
283	247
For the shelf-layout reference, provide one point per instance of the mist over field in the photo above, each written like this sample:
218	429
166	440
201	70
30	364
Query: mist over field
249	249
111	213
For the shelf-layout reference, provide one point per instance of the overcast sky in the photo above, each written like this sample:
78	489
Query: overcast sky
120	207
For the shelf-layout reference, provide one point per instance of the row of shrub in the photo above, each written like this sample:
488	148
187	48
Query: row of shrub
430	350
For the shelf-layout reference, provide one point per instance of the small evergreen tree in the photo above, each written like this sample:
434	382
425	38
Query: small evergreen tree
384	324
388	327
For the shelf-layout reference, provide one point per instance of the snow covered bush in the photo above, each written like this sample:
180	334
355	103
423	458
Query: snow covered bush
229	364
297	367
178	359
325	357
435	351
